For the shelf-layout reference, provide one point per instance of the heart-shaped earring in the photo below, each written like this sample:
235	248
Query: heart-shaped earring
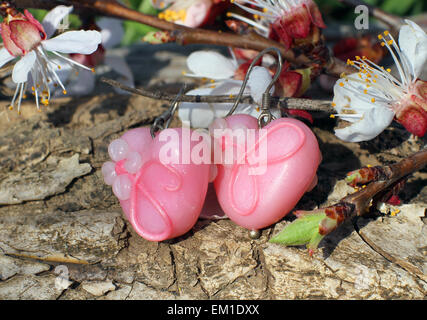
274	163
160	189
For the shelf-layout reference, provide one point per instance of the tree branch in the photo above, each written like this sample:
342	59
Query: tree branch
312	226
184	35
286	103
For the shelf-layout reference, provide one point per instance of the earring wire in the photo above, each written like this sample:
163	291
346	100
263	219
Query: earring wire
265	117
163	121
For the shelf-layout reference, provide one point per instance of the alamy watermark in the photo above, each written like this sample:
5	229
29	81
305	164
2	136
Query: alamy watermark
226	146
362	20
62	281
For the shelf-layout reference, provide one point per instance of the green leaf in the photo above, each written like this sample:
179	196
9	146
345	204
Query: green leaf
134	31
147	8
301	231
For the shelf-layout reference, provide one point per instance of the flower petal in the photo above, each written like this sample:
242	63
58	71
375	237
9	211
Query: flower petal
371	125
197	115
352	103
84	42
112	32
233	87
230	87
120	65
258	81
54	17
23	67
5	57
211	64
196	13
413	44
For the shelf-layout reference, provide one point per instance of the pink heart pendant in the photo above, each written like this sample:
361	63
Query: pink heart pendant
269	173
160	189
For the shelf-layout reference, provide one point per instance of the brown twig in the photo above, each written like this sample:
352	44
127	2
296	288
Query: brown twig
391	174
312	226
286	103
184	35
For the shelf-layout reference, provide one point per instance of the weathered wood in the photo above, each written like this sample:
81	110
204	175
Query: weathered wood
81	229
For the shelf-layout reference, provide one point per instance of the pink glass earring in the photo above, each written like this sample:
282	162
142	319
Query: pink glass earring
160	200
271	171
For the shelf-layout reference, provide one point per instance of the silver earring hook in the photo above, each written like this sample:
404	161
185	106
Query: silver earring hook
163	121
265	117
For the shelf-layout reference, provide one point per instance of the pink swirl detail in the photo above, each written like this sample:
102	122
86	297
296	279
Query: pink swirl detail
239	165
137	184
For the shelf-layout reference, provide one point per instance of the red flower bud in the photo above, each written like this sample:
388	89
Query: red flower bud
90	60
21	33
414	120
412	111
296	23
242	70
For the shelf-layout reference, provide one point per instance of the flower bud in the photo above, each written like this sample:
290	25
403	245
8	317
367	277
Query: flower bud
21	32
90	60
297	22
412	111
